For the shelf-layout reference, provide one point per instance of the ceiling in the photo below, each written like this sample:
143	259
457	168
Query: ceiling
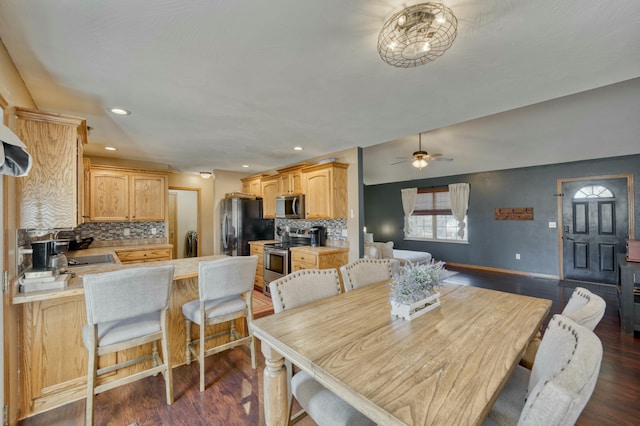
217	84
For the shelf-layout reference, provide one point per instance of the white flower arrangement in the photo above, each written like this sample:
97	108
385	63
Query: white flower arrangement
415	282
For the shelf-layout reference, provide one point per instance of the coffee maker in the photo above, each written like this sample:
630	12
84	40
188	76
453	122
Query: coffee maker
41	254
318	236
49	254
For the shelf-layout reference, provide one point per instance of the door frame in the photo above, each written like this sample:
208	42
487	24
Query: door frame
560	196
199	199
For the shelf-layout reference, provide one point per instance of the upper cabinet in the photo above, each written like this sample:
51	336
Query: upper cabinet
118	195
325	189
270	189
252	185
51	196
291	179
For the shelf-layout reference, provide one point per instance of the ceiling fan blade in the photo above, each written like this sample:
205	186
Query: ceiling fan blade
399	162
445	159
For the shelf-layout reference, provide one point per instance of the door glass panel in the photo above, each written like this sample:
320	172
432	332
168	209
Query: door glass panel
593	191
580	218
606	218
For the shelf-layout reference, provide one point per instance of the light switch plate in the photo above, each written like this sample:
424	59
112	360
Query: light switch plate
553	225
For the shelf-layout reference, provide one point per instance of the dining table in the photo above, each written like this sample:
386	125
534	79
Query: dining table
446	367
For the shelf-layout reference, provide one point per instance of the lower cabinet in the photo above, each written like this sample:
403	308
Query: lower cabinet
143	255
319	258
256	248
628	283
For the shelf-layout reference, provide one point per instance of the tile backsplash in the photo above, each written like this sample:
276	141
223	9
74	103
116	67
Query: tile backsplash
334	226
105	231
100	231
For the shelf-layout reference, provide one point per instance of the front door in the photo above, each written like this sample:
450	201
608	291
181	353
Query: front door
595	224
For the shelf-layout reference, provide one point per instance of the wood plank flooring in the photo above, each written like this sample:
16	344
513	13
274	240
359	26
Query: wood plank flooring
233	394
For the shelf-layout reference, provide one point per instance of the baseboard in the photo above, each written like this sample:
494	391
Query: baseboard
504	271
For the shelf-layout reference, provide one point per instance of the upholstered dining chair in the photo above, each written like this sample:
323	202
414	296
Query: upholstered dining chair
322	405
561	382
584	307
225	288
363	272
126	309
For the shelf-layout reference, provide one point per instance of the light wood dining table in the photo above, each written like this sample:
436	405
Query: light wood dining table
445	367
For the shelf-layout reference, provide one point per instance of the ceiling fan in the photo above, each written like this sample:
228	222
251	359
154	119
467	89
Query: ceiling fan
419	159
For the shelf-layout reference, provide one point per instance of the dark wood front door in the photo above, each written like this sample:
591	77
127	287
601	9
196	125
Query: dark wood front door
595	223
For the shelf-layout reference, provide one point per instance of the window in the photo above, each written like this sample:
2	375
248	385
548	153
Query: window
593	191
432	218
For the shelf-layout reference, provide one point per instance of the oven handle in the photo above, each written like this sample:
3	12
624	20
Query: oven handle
282	252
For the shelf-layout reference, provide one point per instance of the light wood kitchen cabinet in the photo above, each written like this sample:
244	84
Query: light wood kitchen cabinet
270	189
256	248
51	196
291	179
252	185
138	255
318	258
325	189
127	196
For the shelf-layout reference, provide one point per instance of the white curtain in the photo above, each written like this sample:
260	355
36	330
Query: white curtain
409	196
459	199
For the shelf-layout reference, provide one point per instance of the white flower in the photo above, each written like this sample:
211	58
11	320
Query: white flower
415	282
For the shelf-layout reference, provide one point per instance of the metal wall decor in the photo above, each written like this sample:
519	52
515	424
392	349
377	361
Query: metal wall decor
417	34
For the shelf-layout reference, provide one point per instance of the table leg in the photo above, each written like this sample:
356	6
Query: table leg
276	411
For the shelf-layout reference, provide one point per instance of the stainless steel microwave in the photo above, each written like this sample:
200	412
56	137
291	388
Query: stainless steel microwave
290	207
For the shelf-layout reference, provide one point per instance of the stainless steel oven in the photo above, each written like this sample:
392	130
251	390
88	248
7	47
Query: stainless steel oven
277	264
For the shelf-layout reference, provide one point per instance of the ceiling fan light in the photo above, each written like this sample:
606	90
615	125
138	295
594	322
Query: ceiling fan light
419	163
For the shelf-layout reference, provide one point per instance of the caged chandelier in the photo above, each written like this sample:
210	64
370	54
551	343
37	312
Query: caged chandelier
417	34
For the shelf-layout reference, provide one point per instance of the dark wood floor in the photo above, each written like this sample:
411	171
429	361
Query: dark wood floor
234	391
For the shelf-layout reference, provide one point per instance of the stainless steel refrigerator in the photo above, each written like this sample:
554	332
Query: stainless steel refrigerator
241	222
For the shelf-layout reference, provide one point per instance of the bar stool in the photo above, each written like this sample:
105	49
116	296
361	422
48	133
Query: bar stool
225	288
126	309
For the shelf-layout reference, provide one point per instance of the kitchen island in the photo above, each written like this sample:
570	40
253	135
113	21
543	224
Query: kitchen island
53	361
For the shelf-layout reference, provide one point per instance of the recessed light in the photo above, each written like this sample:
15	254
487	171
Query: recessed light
246	166
297	148
110	148
120	111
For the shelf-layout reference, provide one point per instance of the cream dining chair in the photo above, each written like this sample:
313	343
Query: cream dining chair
584	307
322	405
363	272
126	309
560	384
225	288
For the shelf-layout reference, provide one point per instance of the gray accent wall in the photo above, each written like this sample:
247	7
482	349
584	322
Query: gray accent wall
494	243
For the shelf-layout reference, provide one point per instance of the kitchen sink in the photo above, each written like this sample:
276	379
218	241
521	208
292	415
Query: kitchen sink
91	259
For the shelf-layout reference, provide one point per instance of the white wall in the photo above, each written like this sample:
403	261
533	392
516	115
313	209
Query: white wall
187	212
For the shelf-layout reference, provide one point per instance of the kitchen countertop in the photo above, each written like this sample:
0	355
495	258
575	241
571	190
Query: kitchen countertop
320	249
317	249
263	242
184	268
